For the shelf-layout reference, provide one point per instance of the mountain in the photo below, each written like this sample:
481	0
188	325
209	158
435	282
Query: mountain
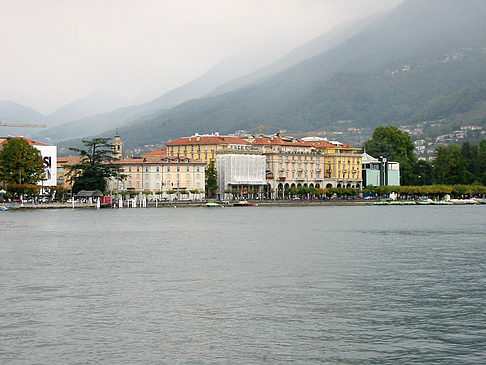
229	69
310	49
92	123
95	103
230	74
391	69
11	112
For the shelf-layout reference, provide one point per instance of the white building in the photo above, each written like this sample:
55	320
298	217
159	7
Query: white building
242	173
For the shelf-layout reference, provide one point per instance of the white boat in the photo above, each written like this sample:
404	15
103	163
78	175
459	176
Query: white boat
3	208
244	203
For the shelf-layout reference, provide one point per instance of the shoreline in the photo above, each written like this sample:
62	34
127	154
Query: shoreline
325	203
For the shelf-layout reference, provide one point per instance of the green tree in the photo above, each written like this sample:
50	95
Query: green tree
211	180
395	145
20	163
422	173
450	167
96	165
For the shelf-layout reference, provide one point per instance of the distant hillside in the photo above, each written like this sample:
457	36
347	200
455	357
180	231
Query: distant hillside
92	123
95	103
454	105
308	50
394	67
16	113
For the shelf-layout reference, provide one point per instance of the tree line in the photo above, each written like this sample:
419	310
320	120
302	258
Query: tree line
451	165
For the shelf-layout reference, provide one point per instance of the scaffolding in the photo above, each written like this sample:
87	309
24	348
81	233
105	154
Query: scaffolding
241	172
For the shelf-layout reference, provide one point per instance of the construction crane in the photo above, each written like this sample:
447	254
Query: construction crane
25	125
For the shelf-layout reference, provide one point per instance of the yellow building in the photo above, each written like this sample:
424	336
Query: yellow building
63	174
290	162
319	164
205	147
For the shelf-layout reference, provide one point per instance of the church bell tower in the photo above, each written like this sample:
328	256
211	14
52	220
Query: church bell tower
117	146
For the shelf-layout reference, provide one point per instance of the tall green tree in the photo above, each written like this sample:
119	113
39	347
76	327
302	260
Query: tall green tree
395	145
422	173
450	167
20	163
96	165
211	180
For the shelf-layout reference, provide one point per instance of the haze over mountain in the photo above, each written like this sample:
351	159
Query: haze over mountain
230	74
11	112
223	72
391	69
95	103
310	49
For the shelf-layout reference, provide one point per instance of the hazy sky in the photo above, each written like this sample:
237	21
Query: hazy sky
55	51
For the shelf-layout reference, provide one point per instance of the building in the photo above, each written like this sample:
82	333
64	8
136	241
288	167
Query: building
63	174
117	146
205	147
160	175
49	159
241	175
292	163
380	171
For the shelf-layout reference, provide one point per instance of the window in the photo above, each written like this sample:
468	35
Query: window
157	169
178	168
187	168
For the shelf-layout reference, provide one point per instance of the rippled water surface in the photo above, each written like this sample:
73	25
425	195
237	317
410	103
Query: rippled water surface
337	285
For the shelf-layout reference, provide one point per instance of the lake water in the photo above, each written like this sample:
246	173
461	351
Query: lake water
337	285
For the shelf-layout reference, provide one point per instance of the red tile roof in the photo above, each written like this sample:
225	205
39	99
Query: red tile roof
156	153
208	140
30	141
297	143
68	160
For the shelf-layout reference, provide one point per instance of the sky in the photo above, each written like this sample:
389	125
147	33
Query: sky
55	51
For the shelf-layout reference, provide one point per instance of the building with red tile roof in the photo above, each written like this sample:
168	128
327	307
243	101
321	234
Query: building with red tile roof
206	147
160	175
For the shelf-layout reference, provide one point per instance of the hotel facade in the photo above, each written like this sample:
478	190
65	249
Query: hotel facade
289	162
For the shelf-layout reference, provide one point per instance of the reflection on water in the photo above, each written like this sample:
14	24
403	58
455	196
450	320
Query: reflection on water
315	284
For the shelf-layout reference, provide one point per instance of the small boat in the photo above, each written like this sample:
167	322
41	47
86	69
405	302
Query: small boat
3	208
244	203
212	204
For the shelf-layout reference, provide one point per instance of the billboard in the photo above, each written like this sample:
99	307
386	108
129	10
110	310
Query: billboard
49	159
